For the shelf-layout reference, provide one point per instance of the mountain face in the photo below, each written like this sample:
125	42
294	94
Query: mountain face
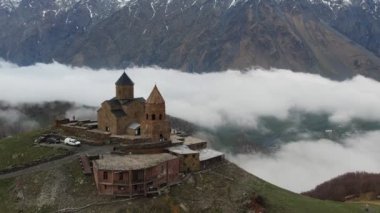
359	20
40	30
334	38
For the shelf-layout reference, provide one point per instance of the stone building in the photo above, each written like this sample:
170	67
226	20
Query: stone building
130	116
146	157
188	158
134	175
155	124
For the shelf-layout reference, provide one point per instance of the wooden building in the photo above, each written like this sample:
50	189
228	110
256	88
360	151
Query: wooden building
135	175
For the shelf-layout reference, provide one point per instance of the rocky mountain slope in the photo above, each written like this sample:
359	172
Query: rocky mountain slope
359	20
331	37
37	31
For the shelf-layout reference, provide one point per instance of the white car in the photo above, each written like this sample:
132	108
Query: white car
71	142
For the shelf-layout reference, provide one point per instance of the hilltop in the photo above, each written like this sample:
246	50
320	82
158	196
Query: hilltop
225	188
359	186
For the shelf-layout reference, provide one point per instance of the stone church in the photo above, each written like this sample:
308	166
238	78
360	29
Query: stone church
133	117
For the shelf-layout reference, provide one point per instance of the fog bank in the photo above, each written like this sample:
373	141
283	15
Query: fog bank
233	97
207	99
301	165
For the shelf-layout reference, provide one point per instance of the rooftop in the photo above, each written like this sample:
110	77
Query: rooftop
206	154
155	97
176	139
193	140
182	150
131	162
124	80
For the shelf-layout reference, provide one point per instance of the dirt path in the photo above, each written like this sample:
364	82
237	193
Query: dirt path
377	203
85	149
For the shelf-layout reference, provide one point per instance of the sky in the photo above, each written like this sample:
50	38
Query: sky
235	97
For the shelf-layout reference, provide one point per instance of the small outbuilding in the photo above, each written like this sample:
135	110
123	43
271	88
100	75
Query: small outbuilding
210	157
195	143
188	158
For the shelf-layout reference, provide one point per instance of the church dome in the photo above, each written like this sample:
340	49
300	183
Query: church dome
124	80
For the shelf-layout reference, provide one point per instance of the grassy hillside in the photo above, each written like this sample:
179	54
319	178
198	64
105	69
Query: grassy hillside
223	189
20	149
354	186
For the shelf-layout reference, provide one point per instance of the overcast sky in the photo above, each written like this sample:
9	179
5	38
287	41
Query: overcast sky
215	98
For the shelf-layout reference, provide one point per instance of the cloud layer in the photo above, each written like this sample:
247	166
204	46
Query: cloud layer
207	99
301	165
239	98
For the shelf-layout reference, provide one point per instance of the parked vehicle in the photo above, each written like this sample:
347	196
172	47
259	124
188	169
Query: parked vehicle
71	142
52	140
40	139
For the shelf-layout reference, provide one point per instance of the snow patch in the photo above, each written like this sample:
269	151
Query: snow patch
10	5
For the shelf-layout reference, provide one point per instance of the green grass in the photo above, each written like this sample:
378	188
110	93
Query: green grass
226	188
206	192
20	149
218	194
283	201
6	202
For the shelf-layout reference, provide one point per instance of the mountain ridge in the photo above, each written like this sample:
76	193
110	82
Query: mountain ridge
194	36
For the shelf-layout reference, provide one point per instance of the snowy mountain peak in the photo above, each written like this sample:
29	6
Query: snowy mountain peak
62	5
9	4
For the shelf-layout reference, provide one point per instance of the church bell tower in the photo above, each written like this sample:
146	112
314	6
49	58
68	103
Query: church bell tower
124	87
155	125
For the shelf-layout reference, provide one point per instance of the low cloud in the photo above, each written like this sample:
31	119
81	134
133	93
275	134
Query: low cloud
13	121
300	166
233	97
208	99
82	113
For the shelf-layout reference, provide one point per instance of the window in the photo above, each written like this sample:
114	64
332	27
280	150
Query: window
160	117
147	116
153	117
121	176
107	129
105	175
105	187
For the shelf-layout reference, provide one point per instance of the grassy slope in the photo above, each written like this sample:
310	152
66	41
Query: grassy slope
211	191
277	200
6	203
226	188
20	149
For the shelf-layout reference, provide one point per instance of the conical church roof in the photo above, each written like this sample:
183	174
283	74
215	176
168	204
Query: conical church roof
155	97
124	80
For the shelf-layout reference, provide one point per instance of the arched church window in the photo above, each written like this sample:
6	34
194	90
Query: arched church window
160	117
147	116
153	117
